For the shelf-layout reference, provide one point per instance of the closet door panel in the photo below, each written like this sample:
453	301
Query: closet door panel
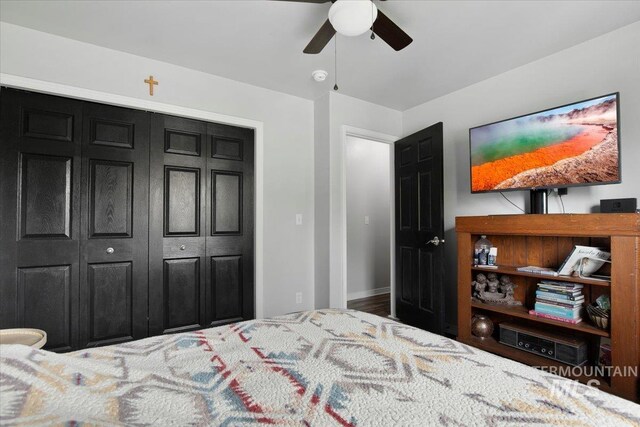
110	198
226	286
45	196
226	202
44	302
118	134
110	302
177	216
182	142
230	209
38	121
181	201
227	146
114	247
39	206
182	289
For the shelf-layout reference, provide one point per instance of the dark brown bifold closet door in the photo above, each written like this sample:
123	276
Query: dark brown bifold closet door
201	224
114	236
74	205
40	214
117	224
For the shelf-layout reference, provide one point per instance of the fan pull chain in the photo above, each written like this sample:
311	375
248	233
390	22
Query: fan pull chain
373	36
335	62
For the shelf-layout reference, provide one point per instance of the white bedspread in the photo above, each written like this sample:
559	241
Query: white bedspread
320	368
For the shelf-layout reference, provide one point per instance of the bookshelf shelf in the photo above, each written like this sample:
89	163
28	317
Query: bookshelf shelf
523	313
545	241
502	269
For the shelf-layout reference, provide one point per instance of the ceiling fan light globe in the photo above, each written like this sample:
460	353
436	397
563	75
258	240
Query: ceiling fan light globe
352	17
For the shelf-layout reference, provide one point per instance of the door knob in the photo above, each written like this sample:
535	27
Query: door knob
110	251
435	241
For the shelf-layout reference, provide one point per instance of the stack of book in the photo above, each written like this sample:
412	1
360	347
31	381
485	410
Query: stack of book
559	301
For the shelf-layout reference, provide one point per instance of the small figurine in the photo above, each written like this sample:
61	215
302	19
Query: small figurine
493	282
507	286
491	294
479	285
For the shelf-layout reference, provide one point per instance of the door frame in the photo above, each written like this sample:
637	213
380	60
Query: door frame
50	88
345	132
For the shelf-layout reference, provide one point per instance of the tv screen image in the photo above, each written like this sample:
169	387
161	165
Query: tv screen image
576	144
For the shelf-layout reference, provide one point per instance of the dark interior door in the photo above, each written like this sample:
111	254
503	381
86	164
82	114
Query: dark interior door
39	211
177	278
420	229
230	207
114	237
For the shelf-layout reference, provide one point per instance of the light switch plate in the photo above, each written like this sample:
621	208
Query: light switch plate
298	219
366	220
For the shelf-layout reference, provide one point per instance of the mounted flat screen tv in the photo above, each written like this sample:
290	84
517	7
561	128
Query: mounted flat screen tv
571	145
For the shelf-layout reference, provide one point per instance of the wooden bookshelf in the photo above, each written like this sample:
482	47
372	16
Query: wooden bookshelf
545	241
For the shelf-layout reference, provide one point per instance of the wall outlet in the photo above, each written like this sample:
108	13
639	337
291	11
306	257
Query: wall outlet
298	219
298	297
366	220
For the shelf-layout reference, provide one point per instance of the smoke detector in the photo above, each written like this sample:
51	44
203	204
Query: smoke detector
319	75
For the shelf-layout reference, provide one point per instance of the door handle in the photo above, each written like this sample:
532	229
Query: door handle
110	251
435	241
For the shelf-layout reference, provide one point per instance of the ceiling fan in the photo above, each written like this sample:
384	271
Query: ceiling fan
352	18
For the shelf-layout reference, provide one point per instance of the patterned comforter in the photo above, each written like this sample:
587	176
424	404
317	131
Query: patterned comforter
320	368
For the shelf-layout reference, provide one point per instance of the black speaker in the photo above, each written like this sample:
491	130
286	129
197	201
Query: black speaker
619	205
573	355
509	337
556	346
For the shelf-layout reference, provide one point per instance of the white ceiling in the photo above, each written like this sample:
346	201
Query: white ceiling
456	43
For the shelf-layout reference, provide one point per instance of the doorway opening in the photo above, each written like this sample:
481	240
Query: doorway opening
368	222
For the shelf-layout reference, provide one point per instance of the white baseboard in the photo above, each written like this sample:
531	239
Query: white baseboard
368	293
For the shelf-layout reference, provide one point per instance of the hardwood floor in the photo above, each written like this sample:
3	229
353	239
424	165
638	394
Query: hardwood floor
377	304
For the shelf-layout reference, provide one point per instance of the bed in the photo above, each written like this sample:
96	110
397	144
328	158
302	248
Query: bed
318	368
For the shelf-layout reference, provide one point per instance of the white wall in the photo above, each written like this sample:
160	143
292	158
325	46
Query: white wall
351	112
606	64
322	117
288	137
368	194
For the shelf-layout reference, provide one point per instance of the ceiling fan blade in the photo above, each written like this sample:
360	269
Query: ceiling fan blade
320	40
390	32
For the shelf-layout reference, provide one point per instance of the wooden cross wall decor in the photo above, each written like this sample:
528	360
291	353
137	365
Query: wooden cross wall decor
151	83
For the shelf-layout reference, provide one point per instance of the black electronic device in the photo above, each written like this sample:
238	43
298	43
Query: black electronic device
554	346
629	205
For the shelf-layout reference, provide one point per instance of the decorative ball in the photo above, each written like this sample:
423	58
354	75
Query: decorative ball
481	326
